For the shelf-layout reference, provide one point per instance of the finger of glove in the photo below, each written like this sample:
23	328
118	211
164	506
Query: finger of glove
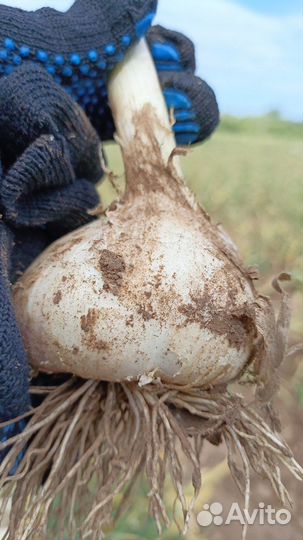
194	106
171	51
32	104
14	372
41	188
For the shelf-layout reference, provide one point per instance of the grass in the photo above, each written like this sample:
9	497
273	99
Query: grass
249	177
270	124
252	185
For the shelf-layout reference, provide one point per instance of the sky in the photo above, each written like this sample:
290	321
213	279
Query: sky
278	7
249	51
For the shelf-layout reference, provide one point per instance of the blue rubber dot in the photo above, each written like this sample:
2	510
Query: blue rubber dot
143	26
187	127
51	69
95	100
93	56
80	91
59	60
75	59
126	40
177	99
165	52
93	73
17	60
3	54
168	66
8	70
110	49
67	71
9	44
58	79
24	51
68	89
101	64
42	56
119	57
84	69
182	116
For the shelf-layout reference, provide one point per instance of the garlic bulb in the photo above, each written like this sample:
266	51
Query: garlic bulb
153	289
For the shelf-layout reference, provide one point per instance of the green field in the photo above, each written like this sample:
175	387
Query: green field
249	178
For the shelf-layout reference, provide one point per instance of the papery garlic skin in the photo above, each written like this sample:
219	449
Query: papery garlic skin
153	308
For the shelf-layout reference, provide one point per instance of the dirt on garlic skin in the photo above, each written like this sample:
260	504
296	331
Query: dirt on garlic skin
236	330
152	287
112	267
57	297
88	323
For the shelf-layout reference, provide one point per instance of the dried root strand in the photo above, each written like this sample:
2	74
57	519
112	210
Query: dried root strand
88	442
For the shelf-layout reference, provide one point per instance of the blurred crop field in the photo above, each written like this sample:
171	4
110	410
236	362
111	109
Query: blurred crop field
248	176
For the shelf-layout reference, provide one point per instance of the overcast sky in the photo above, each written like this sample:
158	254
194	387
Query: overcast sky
250	51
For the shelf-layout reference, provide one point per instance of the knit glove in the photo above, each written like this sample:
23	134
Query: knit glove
50	162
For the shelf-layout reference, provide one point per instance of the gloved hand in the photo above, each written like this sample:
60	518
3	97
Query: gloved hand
80	47
53	113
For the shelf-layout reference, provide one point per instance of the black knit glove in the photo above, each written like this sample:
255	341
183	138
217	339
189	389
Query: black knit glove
50	153
14	372
50	163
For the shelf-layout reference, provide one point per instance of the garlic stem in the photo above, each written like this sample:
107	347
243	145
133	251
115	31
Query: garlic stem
133	85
